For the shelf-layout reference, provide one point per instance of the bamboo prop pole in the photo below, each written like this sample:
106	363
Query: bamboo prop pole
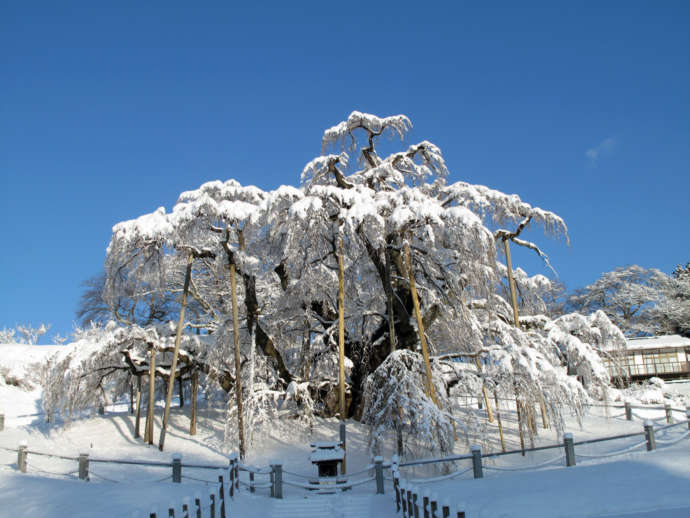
238	367
389	302
511	282
341	328
420	325
519	417
544	418
500	425
341	337
178	337
148	433
137	419
484	391
192	418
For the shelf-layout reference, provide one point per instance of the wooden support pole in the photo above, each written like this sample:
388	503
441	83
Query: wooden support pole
420	325
178	337
137	418
500	425
341	327
511	282
519	417
484	391
238	360
195	385
544	416
389	302
148	432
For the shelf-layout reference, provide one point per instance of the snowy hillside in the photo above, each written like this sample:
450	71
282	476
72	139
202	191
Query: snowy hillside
598	486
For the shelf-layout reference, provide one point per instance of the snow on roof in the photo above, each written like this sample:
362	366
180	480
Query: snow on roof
325	444
658	342
325	454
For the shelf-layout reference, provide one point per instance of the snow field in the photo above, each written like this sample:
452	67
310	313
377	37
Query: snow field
48	490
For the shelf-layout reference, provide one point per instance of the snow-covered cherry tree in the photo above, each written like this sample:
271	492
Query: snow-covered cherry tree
641	301
403	233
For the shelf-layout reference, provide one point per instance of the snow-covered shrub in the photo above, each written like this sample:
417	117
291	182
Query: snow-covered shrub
394	400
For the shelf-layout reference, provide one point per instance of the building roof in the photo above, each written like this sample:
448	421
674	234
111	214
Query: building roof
658	342
326	454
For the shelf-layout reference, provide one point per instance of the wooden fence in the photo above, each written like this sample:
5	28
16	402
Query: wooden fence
415	502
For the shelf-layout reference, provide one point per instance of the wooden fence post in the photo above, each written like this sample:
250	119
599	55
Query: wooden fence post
177	468
2	422
231	472
185	508
22	456
83	466
687	416
171	510
153	513
425	503
649	435
433	506
477	461
410	512
222	495
378	468
445	509
212	498
415	502
569	445
669	414
396	488
403	501
628	411
197	504
277	470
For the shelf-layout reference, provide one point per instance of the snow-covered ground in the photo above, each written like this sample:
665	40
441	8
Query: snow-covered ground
636	484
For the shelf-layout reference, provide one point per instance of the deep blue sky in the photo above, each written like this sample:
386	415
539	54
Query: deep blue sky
107	113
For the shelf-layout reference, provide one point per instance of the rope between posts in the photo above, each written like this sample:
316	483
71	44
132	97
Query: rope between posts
102	477
63	457
439	478
673	441
527	468
307	477
39	470
662	428
156	480
256	471
362	471
199	479
613	453
262	485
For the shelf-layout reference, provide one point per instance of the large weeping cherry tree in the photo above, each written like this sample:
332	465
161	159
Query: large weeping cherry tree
420	261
